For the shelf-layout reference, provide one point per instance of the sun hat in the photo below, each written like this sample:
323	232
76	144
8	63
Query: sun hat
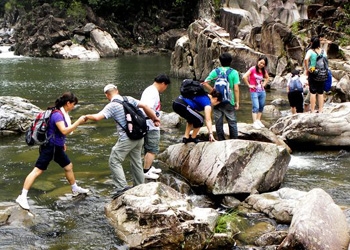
108	87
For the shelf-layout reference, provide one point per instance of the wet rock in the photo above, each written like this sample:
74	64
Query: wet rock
16	114
154	215
318	223
230	166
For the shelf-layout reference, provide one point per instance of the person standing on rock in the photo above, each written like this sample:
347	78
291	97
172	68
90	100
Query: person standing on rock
316	88
256	78
151	98
295	92
124	146
225	108
59	126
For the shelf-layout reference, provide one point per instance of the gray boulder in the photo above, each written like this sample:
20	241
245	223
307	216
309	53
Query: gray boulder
229	167
155	216
16	114
327	129
317	223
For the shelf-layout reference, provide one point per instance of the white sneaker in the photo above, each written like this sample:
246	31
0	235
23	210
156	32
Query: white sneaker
155	170
23	202
260	124
150	175
256	125
80	190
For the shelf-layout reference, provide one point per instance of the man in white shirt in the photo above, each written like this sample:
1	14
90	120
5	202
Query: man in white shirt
151	98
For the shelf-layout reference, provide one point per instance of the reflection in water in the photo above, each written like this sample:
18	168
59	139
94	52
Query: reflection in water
81	224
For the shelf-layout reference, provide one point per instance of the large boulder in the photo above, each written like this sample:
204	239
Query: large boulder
317	223
16	114
328	129
230	166
155	216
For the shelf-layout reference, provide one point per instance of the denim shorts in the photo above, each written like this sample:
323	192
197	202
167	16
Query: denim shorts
51	152
151	143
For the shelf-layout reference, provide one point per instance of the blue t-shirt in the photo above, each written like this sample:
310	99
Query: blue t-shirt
198	102
57	137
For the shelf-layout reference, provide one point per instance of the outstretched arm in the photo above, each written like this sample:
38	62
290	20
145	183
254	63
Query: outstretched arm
94	117
66	130
208	123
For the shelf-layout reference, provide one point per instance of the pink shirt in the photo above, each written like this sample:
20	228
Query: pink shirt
256	78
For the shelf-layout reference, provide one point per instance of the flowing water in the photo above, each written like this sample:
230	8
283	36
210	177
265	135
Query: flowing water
67	223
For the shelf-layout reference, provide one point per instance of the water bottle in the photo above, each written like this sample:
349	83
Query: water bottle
128	121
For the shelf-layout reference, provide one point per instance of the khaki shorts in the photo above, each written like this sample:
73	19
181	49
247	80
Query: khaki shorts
151	143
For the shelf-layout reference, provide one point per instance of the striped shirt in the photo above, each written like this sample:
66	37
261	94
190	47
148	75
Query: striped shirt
116	111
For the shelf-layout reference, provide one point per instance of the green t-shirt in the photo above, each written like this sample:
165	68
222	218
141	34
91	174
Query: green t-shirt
233	79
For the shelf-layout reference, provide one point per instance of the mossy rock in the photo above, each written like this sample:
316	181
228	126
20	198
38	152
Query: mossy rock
44	185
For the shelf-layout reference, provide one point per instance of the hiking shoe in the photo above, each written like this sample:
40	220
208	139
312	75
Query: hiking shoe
186	140
120	192
260	123
256	125
195	140
155	170
23	202
80	190
150	175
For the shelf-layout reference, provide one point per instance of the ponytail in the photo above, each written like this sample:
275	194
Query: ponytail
66	97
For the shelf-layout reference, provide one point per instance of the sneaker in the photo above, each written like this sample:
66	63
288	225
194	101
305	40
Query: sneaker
155	170
150	175
120	192
256	125
260	123
23	202
80	190
186	140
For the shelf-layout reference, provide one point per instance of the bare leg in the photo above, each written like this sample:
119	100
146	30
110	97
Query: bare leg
195	132
254	116
258	116
312	102
148	159
68	171
31	178
188	130
320	99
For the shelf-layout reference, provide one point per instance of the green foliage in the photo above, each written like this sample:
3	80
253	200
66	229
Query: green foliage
77	11
295	27
227	221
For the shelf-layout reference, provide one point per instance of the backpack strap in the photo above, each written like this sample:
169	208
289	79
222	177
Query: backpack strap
121	103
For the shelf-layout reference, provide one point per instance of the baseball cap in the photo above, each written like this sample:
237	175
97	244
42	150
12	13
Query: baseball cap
108	87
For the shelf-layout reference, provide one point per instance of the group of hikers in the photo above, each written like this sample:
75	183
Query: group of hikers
211	101
313	87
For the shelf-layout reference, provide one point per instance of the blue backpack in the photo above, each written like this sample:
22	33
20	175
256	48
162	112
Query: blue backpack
295	85
328	82
222	84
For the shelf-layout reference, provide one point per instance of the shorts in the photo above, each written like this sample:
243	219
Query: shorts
151	143
316	87
296	99
51	152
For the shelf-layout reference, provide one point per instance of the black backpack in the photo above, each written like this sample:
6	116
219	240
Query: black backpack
136	126
191	88
320	73
37	132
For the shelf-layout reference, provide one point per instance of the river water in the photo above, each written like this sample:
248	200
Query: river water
66	223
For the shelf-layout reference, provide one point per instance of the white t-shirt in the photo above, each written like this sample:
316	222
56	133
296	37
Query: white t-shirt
150	97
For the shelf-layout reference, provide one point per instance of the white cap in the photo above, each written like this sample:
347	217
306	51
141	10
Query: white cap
108	87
